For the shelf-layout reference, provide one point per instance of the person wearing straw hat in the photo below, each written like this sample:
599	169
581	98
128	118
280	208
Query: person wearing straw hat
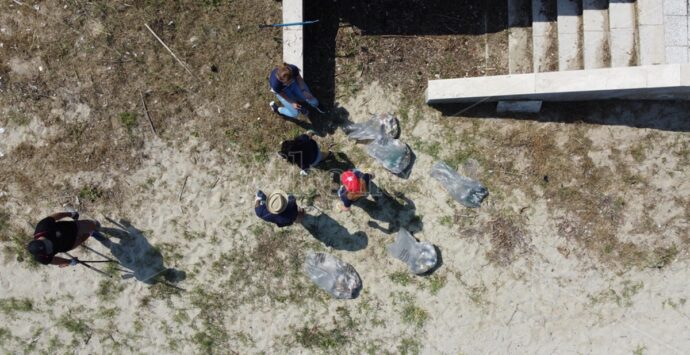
355	185
54	235
278	208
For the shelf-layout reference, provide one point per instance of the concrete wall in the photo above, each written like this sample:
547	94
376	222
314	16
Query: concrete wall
293	36
654	82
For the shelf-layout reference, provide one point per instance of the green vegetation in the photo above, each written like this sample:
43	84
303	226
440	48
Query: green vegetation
409	346
323	339
109	289
12	306
401	278
623	297
90	193
78	327
639	350
436	283
412	314
128	119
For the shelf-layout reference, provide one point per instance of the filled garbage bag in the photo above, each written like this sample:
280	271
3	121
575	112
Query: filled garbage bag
468	192
420	257
369	130
393	154
333	275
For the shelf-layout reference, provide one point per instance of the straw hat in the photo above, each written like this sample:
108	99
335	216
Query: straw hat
277	202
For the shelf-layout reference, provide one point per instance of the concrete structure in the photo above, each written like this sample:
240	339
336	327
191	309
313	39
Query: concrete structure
293	36
658	82
585	50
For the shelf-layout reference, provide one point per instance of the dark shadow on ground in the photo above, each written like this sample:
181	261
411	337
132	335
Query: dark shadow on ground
662	115
336	164
387	209
386	18
133	251
332	234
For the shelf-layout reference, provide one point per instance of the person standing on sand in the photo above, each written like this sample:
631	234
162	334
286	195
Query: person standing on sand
303	151
278	208
54	236
291	90
355	185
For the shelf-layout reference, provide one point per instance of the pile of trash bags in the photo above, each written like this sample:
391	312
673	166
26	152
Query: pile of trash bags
382	131
420	257
333	275
468	192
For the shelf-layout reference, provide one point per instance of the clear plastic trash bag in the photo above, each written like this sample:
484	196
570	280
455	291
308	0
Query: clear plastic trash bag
468	192
369	130
333	275
393	154
420	257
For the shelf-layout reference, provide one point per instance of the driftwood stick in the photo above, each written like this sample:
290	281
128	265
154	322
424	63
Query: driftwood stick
169	50
146	111
183	186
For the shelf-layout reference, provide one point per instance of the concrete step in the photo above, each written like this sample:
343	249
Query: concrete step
595	23
544	36
650	24
623	28
495	19
651	82
676	31
570	35
519	36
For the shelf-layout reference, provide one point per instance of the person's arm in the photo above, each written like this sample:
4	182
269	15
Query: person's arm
342	193
61	262
294	104
60	215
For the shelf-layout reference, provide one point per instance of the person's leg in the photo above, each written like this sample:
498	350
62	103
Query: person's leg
287	109
84	229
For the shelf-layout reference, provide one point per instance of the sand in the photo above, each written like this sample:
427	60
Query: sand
199	203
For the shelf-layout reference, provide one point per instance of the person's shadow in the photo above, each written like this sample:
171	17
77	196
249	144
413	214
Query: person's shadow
332	234
387	209
133	251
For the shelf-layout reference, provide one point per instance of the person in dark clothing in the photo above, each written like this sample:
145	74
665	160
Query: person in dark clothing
303	151
278	208
355	185
53	235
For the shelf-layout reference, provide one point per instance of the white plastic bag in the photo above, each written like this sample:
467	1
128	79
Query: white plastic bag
420	257
333	275
393	154
468	192
369	130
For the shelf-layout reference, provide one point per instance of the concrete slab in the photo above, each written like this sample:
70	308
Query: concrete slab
650	12
676	33
596	50
595	23
293	36
544	36
622	14
652	50
519	36
676	7
677	55
623	52
519	106
670	81
570	41
520	50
